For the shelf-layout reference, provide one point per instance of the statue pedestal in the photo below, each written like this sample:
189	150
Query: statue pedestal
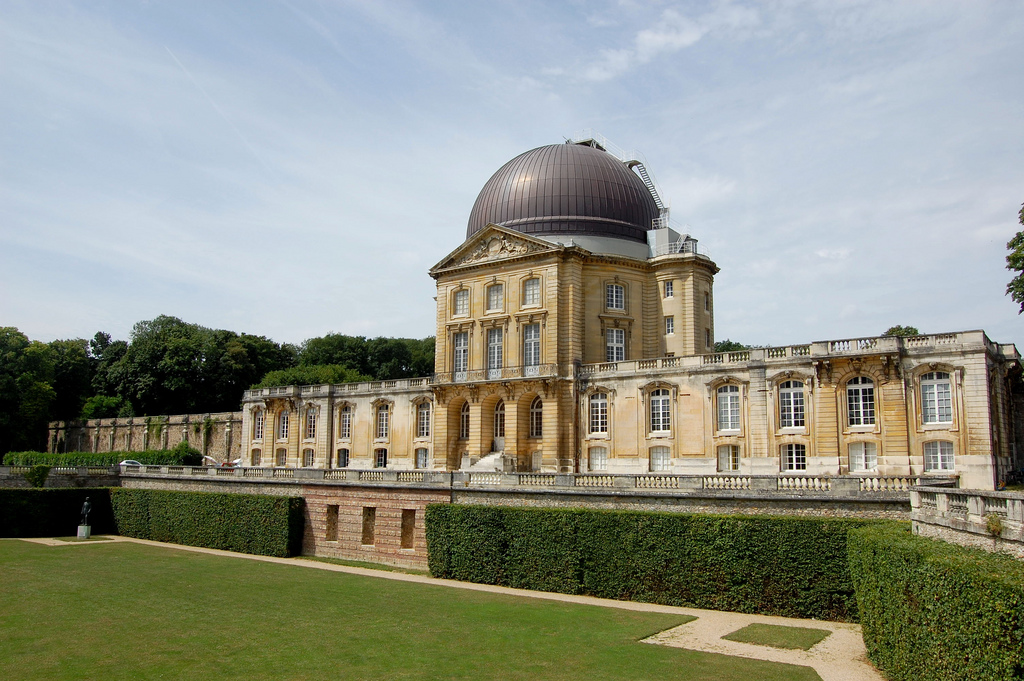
84	531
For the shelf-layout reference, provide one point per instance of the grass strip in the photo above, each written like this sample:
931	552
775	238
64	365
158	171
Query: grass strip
777	636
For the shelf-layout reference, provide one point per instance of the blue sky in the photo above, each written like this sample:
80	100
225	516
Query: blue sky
294	168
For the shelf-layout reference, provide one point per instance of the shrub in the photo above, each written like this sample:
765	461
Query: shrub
794	567
249	523
37	475
180	455
53	512
936	611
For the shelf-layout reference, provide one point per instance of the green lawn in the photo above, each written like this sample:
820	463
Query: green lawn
794	638
127	611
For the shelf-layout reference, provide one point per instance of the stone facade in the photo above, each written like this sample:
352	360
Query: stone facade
215	435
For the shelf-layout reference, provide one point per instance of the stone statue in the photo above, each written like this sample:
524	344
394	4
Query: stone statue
86	507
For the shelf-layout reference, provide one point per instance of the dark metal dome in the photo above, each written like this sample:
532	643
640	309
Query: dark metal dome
566	189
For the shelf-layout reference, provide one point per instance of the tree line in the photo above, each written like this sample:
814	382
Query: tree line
168	366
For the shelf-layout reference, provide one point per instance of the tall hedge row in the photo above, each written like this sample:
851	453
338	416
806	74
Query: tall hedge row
178	456
794	567
53	512
249	523
935	611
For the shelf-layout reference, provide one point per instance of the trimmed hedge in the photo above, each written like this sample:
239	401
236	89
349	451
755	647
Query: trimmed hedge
933	610
794	567
179	456
249	523
53	512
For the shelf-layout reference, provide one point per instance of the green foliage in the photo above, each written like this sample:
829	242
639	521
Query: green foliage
936	611
37	475
180	455
1015	263
377	358
904	331
105	407
26	391
311	375
729	346
249	523
794	567
52	512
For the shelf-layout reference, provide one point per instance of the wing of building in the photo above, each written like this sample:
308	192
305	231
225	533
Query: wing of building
575	334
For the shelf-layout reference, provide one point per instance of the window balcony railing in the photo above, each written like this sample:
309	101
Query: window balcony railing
503	373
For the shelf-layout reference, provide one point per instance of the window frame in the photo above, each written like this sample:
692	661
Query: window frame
792	405
282	425
531	345
668	289
308	457
732	458
460	352
615	344
460	303
380	457
670	325
531	292
862	459
861	409
255	457
939	456
659	412
382	421
931	385
496	297
258	423
310	422
601	462
615	297
733	394
662	463
423	419
537	418
597	411
464	421
347	457
345	423
793	457
422	458
495	348
498	421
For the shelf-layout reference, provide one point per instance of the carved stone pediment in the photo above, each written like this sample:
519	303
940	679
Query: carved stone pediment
491	244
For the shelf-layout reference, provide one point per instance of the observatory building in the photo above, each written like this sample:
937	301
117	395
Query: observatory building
575	334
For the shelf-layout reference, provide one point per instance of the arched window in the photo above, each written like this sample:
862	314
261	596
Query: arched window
936	398
728	407
345	423
537	418
660	411
599	413
383	421
282	425
860	401
257	424
464	421
310	423
423	419
791	404
499	419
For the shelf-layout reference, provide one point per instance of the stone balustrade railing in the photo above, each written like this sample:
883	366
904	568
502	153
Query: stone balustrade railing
989	520
842	486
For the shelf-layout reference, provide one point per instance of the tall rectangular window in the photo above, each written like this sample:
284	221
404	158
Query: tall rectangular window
257	425
728	407
938	456
383	421
791	404
670	325
531	345
307	458
310	423
794	457
661	420
669	289
464	421
342	458
380	458
423	419
281	457
860	401
615	345
408	527
599	413
660	459
707	338
615	296
936	398
422	457
462	303
729	458
282	426
531	292
257	455
460	352
598	459
369	525
345	424
863	456
495	297
495	346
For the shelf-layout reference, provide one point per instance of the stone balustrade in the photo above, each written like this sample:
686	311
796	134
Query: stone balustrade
989	520
781	485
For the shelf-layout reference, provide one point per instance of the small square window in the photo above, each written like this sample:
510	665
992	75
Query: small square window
729	458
